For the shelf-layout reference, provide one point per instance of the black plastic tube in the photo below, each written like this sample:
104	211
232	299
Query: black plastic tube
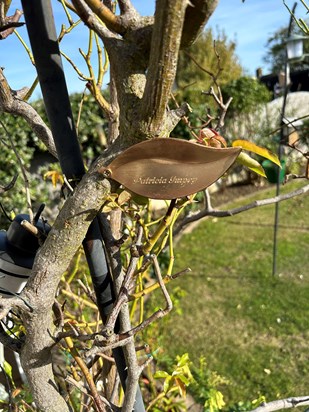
43	38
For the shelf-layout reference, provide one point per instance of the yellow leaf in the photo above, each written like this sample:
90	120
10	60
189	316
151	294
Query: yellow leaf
124	197
262	151
16	392
54	176
252	164
181	387
111	203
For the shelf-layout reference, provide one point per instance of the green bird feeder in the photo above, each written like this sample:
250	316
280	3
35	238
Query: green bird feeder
271	171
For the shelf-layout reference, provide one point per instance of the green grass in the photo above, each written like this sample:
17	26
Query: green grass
252	328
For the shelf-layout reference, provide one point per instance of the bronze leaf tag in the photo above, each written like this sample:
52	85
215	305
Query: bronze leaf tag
168	168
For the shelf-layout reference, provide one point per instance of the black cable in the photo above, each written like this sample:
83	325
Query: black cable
5	214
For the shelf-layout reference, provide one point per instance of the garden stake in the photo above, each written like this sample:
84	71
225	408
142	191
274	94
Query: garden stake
43	38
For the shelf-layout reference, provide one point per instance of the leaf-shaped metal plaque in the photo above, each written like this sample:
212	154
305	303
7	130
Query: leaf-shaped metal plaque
168	168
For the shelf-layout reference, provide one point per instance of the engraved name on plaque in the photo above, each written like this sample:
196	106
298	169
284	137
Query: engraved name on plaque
168	168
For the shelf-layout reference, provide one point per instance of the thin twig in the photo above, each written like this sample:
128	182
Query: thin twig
156	285
160	312
126	286
23	171
211	74
283	404
99	402
223	106
25	47
209	211
8	186
10	24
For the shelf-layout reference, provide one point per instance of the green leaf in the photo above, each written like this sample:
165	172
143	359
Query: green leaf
184	379
251	163
183	359
8	370
167	384
262	151
139	199
160	374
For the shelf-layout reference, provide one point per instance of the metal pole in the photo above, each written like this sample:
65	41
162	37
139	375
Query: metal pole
281	141
43	38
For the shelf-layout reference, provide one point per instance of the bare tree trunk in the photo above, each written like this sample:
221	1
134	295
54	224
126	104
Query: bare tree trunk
37	363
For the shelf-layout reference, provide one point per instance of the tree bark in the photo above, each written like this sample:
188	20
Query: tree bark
143	64
52	260
165	44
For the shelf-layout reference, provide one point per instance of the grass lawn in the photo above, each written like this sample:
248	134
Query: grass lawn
252	328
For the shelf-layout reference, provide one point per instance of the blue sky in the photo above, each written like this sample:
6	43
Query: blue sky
250	24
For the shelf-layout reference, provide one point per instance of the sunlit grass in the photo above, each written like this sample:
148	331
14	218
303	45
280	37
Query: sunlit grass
252	328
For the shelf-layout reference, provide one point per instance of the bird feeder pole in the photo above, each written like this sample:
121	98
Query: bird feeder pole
281	141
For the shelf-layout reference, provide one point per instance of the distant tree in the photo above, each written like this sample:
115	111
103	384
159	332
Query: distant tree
9	166
249	95
276	46
211	58
210	54
92	126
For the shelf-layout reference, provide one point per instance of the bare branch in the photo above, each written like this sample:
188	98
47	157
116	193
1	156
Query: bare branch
111	233
223	106
125	287
91	20
126	6
65	238
160	312
197	15
99	402
175	115
211	74
112	21
283	404
4	5
6	305
154	286
134	370
209	211
9	103
10	24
